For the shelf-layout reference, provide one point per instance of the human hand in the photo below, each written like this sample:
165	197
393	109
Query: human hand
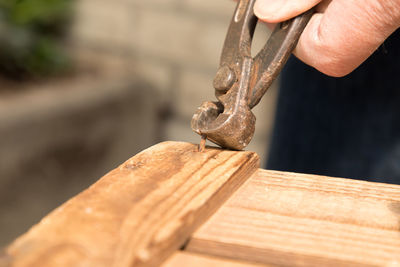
341	34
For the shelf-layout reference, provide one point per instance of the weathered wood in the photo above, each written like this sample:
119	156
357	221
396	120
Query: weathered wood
304	220
139	213
185	259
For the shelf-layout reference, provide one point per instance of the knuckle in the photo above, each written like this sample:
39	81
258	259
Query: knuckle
334	70
330	57
331	61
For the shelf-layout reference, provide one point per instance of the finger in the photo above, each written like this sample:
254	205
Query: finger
274	11
346	34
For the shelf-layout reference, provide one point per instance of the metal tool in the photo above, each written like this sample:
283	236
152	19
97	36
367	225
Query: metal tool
242	80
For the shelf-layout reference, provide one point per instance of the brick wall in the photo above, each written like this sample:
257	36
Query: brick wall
175	45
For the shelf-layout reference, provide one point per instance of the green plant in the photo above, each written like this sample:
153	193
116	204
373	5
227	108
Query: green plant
31	33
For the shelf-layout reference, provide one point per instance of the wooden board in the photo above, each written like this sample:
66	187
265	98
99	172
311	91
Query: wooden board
139	213
304	220
185	259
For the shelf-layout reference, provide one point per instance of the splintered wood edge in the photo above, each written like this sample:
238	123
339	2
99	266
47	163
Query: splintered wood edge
138	214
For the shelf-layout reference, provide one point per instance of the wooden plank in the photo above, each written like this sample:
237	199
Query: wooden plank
304	220
185	259
139	213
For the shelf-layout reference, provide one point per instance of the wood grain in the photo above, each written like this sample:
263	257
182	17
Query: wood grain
139	213
304	220
185	259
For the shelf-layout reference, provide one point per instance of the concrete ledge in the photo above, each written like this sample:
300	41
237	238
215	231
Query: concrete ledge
56	138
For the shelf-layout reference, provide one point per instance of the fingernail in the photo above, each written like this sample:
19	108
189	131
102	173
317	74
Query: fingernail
268	10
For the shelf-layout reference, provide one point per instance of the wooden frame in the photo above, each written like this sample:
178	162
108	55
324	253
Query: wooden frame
149	209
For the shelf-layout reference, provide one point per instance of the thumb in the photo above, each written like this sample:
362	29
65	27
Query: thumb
274	11
347	32
341	34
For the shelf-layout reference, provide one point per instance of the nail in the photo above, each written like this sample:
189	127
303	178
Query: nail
269	10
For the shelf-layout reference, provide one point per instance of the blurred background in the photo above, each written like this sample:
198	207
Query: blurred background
86	84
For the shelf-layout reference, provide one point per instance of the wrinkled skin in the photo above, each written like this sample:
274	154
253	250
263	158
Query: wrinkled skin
341	34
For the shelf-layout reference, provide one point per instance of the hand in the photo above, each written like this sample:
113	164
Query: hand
341	34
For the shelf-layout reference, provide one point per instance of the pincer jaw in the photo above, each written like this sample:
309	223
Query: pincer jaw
229	130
